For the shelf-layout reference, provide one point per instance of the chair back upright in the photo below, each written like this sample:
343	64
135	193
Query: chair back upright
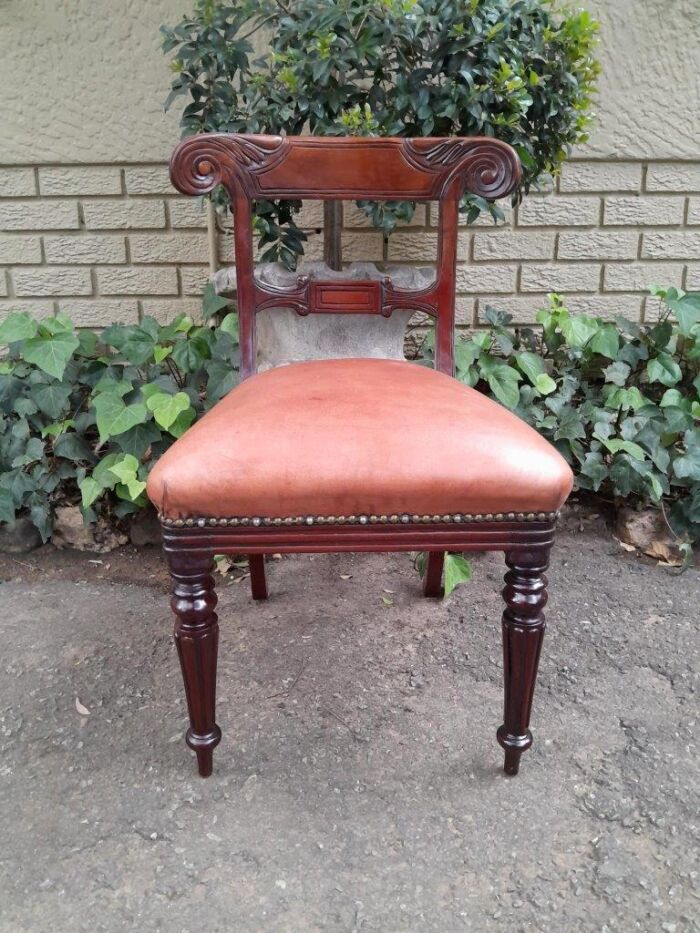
253	167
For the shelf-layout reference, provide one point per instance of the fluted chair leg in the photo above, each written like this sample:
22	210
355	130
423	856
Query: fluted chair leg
525	594
432	582
197	640
258	583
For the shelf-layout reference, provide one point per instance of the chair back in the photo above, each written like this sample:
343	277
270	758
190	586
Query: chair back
253	167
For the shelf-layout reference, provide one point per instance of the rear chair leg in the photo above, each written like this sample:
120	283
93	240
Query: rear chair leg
197	640
258	584
432	582
525	594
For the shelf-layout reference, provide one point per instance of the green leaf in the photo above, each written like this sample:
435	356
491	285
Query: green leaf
578	329
114	417
124	468
7	506
457	570
32	452
671	397
531	364
687	466
182	422
503	380
664	369
166	408
221	378
138	439
615	445
187	356
58	427
90	490
686	307
606	341
17	326
160	353
617	373
229	325
544	384
51	353
211	302
71	446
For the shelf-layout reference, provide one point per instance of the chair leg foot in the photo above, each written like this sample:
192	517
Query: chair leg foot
525	594
197	641
432	582
203	746
258	583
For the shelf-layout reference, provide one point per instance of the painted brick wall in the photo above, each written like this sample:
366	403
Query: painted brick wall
108	243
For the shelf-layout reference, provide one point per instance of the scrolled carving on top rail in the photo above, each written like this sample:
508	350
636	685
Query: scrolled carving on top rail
202	162
488	168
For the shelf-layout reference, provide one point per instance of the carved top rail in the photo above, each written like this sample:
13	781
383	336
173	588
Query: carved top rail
344	167
339	168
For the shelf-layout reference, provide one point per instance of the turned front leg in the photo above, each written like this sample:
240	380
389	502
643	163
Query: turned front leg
197	640
525	594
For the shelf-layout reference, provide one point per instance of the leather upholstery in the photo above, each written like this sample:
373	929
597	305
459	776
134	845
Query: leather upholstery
358	436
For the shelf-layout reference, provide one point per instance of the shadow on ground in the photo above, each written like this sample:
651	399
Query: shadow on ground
358	784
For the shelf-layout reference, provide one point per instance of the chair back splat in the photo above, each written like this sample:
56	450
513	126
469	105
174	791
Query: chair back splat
338	168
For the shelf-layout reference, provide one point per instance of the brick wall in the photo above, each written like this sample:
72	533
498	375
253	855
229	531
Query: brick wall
108	243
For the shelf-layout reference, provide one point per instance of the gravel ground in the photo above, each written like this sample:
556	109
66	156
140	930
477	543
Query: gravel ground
358	783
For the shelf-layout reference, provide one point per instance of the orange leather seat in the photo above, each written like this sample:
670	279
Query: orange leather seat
357	437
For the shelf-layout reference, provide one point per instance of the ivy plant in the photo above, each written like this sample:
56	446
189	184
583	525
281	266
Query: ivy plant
620	400
84	417
522	70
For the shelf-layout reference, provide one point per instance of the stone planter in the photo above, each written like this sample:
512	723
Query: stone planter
283	336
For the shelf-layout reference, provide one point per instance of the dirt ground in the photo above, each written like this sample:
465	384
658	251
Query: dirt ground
358	784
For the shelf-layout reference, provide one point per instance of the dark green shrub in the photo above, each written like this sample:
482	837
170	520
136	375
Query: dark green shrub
521	70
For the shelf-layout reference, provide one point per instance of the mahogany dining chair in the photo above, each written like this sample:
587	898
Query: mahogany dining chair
354	454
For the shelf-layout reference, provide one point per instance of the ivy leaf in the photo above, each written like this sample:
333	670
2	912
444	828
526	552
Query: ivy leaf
503	380
51	352
182	422
578	329
664	369
187	356
544	384
114	417
124	468
211	302
221	379
166	408
687	466
606	341
531	364
7	506
617	373
594	469
229	325
686	308
456	571
616	444
570	425
160	353
71	446
90	491
138	439
17	326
